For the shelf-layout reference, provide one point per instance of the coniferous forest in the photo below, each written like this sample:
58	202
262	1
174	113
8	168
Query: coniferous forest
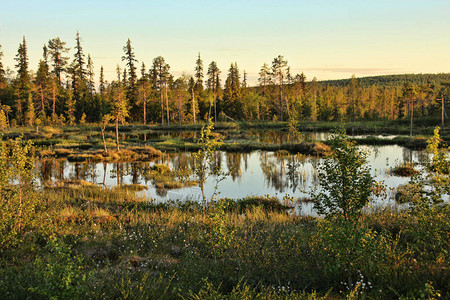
63	89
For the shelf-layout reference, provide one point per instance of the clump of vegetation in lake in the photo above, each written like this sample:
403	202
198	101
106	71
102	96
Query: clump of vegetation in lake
405	170
164	178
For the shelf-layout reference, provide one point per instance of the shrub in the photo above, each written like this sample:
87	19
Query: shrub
18	199
345	180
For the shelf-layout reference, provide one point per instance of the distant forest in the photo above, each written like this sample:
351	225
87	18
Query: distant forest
62	90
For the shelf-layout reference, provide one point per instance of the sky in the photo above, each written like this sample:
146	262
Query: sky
326	39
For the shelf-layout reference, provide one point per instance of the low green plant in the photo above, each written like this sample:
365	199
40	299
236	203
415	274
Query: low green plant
61	274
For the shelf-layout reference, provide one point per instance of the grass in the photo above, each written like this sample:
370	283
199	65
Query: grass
111	243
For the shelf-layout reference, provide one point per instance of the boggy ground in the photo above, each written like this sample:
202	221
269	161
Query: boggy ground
138	142
92	242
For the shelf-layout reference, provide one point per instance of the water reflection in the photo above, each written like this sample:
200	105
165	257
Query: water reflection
256	173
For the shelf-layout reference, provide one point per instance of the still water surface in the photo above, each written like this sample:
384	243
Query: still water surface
255	173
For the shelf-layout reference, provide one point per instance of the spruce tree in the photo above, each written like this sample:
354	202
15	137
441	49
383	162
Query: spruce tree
30	114
79	58
90	75
2	71
130	59
279	69
161	71
213	85
264	78
199	74
70	103
22	84
57	50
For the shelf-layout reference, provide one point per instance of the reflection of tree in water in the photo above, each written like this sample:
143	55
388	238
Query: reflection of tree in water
46	167
234	164
292	172
407	155
80	171
118	171
273	171
136	170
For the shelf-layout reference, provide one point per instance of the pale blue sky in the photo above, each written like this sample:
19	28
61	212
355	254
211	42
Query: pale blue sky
324	38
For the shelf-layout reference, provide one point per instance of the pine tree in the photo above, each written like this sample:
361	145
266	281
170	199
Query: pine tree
352	96
264	77
2	71
213	85
22	86
161	71
120	108
30	114
130	59
102	84
41	82
90	75
198	74
279	68
232	92
79	58
57	49
194	102
144	91
70	103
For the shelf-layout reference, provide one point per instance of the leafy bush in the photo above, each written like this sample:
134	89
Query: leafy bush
345	180
18	199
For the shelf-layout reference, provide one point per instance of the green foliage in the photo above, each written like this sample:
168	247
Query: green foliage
61	274
428	189
204	158
345	180
17	192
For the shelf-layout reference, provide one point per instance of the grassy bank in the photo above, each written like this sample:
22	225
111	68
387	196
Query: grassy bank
89	242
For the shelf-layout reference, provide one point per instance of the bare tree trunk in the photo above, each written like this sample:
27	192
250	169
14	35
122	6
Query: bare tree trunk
117	134
162	103
54	100
145	108
193	105
167	103
412	116
104	141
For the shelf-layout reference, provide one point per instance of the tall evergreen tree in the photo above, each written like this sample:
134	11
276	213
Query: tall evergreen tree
57	50
2	71
232	92
30	114
213	85
130	59
279	69
90	75
79	58
264	77
161	71
120	107
199	74
23	80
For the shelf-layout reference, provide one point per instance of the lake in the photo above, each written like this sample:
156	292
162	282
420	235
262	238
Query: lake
256	173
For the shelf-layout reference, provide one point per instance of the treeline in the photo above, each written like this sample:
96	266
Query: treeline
394	80
63	91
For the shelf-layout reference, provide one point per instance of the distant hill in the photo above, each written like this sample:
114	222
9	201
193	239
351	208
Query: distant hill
393	80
